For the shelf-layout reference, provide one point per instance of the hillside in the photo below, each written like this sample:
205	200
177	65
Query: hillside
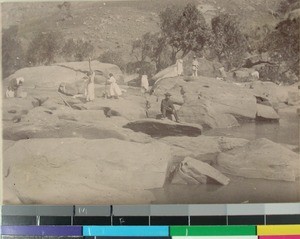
115	24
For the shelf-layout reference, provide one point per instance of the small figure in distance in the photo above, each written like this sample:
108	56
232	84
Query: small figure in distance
13	86
168	109
114	89
195	66
144	84
90	88
179	67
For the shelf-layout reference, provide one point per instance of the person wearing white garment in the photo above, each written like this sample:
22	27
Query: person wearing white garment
195	66
90	87
144	84
13	87
114	89
179	67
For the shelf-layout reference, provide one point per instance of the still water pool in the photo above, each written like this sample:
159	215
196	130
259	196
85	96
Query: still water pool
243	190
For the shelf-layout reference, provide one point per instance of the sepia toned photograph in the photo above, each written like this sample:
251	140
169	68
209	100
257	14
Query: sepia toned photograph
150	102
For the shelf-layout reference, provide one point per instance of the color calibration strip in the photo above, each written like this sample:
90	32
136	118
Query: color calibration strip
176	232
269	221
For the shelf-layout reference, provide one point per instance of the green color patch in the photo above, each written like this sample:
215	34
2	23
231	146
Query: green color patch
212	230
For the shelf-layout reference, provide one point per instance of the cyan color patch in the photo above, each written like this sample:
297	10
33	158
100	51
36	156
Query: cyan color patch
217	237
126	231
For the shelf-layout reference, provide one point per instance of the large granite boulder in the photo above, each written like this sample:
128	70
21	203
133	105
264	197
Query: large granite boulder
102	70
163	128
273	92
45	76
265	112
74	88
201	112
204	148
80	171
168	72
43	124
192	171
127	108
14	108
209	101
261	158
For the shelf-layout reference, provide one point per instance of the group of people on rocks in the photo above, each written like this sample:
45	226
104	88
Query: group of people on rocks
167	108
195	66
114	89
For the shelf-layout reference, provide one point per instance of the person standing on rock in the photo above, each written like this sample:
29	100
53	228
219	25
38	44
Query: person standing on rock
13	87
167	108
144	84
195	66
114	89
90	89
179	67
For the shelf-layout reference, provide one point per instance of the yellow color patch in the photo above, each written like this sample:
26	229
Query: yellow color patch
278	230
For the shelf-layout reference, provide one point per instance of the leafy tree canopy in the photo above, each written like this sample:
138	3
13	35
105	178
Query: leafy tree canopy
185	29
229	42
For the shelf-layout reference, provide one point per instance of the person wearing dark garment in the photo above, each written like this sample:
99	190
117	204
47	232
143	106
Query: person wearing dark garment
167	108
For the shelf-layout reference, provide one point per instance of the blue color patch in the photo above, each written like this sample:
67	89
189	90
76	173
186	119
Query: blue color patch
132	231
41	230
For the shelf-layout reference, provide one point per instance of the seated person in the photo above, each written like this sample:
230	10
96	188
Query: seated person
167	108
13	87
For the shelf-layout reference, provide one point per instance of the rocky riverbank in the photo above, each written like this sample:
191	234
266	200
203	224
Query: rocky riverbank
107	151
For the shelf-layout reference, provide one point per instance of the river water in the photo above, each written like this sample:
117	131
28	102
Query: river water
285	132
243	190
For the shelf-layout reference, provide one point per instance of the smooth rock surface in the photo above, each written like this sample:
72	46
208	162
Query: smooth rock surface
101	69
79	171
192	171
261	158
209	101
14	108
162	128
203	147
265	112
45	76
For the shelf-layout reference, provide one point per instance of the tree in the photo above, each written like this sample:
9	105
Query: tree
152	47
44	47
283	44
77	50
286	6
229	43
113	57
12	51
65	11
83	50
185	30
69	49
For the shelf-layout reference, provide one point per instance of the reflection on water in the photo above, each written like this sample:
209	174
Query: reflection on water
286	131
239	190
242	190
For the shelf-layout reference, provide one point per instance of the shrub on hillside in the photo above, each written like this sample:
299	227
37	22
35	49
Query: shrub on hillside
229	43
12	51
113	57
282	44
68	49
141	67
77	50
274	74
44	47
286	6
83	50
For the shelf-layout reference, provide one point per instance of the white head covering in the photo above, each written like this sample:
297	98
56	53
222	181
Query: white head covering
20	79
